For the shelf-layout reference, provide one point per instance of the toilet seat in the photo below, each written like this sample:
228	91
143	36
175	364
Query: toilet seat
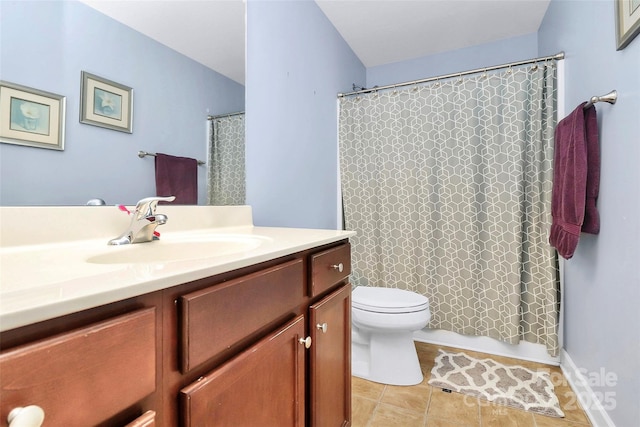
388	300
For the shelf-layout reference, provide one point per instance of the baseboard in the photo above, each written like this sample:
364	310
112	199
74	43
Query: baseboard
586	396
524	350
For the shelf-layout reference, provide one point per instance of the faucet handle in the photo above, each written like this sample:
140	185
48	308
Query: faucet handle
147	206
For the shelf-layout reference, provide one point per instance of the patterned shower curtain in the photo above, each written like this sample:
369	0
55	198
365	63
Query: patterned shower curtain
226	161
448	186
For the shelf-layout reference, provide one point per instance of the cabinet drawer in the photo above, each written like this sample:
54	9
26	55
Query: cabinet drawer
85	376
217	318
329	268
262	386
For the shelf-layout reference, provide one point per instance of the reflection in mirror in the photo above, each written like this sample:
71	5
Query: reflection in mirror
173	95
226	160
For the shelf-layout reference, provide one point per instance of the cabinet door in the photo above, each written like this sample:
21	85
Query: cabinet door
330	376
262	386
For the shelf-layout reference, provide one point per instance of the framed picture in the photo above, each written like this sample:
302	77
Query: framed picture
105	103
31	117
627	21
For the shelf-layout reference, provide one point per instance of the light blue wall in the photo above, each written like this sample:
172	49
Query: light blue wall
485	55
293	76
45	45
297	64
602	280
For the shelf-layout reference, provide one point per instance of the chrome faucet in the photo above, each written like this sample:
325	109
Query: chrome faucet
144	221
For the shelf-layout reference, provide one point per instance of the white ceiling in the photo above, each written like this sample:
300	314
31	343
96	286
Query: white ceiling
208	31
386	31
379	31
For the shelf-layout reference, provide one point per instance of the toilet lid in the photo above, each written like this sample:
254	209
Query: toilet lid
387	300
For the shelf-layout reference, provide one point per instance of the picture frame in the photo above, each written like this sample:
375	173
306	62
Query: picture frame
105	103
627	22
31	117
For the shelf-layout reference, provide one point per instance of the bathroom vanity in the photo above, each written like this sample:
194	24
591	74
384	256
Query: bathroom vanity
258	335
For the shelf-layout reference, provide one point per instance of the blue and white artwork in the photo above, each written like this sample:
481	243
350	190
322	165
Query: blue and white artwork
29	116
107	104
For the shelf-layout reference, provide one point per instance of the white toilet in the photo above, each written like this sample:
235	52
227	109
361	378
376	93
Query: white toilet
383	322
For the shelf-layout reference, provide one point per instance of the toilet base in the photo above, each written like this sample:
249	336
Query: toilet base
387	358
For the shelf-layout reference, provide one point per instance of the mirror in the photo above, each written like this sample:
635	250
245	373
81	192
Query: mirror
47	45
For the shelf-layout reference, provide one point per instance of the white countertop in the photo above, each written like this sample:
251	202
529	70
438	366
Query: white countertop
46	277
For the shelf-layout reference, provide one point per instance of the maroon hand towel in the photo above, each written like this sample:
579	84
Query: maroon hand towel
576	174
177	176
591	222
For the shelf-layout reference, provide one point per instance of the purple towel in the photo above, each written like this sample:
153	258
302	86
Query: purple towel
576	176
177	176
591	223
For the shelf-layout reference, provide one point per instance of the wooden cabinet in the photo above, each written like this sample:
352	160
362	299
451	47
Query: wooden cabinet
86	376
276	381
328	268
218	318
265	345
262	386
330	360
330	329
148	419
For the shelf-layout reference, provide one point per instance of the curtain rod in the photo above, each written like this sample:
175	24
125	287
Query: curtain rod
219	116
555	57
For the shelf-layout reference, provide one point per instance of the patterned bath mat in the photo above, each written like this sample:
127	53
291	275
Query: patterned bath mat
514	386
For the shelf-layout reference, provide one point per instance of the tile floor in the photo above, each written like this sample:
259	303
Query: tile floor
379	405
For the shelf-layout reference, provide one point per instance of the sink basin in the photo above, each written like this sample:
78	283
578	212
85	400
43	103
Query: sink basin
178	248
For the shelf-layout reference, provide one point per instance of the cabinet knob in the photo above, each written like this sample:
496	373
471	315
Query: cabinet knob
29	416
338	267
305	341
322	327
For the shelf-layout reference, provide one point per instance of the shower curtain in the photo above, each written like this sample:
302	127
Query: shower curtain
448	186
226	161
